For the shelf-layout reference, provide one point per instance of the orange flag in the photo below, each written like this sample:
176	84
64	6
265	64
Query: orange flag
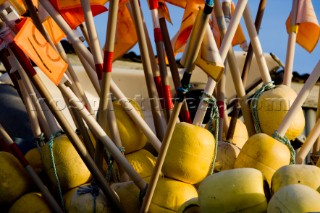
35	46
307	25
164	10
189	17
178	3
126	36
74	16
68	4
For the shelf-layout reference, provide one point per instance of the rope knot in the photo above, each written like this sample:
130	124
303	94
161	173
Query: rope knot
285	141
254	103
93	189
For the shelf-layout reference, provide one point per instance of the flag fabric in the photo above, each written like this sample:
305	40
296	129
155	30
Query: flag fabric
74	16
189	17
126	36
68	4
163	9
35	46
178	3
307	26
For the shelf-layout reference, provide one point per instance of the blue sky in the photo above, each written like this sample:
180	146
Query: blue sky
273	35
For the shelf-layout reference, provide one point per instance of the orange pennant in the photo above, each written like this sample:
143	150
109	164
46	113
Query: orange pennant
54	31
307	25
126	36
163	9
35	46
67	4
74	16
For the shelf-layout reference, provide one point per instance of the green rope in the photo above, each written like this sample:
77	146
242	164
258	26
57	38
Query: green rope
51	139
93	189
286	142
110	165
213	116
255	98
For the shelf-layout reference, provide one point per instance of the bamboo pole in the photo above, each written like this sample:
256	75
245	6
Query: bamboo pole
34	176
224	48
136	13
291	44
75	140
192	51
245	71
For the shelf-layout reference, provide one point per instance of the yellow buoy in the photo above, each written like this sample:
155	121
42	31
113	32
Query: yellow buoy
295	198
264	153
308	175
226	156
190	206
14	181
142	161
131	136
70	168
170	194
80	199
128	194
33	156
273	105
190	153
236	190
30	203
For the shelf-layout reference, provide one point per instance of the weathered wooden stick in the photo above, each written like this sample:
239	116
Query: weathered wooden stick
309	142
136	13
301	97
75	140
34	176
316	146
291	44
192	51
184	113
225	46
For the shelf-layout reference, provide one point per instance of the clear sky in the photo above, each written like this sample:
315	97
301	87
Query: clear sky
273	35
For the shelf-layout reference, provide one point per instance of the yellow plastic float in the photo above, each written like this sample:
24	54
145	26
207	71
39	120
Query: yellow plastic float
14	181
190	153
295	198
70	168
80	200
264	153
30	203
33	156
236	190
128	194
190	206
170	195
143	162
240	135
273	105
308	175
132	138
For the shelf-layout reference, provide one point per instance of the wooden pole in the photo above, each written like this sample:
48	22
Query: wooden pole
75	140
291	44
192	51
316	146
34	176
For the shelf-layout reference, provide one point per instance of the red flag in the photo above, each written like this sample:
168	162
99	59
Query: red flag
306	27
74	16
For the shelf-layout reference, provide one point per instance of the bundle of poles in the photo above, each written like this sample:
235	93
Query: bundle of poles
98	65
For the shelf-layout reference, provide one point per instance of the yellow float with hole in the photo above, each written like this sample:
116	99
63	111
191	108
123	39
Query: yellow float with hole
30	203
295	198
81	200
170	195
143	162
264	153
132	138
190	206
70	168
308	175
236	190
14	181
226	156
190	153
273	105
